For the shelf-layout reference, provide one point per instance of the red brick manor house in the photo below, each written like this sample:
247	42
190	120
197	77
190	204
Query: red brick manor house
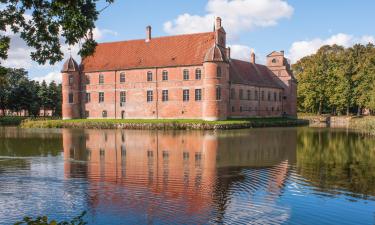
182	76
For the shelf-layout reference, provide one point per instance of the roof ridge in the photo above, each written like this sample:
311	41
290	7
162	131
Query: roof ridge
160	37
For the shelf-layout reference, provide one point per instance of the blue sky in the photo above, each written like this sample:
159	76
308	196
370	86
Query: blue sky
299	27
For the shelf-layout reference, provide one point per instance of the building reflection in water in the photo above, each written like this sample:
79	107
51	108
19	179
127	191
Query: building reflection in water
191	176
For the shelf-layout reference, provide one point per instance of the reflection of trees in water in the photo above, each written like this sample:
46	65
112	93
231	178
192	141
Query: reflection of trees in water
334	160
256	148
17	142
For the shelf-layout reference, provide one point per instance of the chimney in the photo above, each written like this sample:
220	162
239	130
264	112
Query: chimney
282	52
148	33
252	57
218	23
228	52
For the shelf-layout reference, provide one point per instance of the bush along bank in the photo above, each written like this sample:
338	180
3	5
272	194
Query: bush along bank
162	124
11	120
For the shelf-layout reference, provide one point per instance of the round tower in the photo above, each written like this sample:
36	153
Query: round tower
216	69
71	101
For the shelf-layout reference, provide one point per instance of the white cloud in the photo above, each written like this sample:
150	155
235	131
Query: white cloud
237	15
51	76
300	49
240	52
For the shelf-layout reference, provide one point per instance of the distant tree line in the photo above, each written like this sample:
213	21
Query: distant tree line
18	93
337	80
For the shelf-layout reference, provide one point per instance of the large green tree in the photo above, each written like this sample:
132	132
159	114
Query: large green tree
43	23
337	80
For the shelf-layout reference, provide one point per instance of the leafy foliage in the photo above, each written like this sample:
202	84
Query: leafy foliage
43	220
337	80
42	23
18	93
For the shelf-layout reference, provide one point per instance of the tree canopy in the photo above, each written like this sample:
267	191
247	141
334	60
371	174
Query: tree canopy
42	23
337	80
18	93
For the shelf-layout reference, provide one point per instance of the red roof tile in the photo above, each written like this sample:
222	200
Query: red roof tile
242	72
177	50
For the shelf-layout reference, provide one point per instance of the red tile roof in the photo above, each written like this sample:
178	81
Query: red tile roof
177	50
242	72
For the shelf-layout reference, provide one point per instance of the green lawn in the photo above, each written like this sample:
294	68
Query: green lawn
161	123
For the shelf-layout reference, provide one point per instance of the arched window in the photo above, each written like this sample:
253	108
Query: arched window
274	60
218	71
186	74
71	79
122	77
198	74
101	78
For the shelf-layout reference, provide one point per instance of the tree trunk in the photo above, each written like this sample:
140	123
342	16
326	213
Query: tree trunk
359	111
320	108
347	110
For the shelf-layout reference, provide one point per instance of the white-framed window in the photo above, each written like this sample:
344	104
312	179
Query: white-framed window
101	78
186	74
122	78
185	95
122	96
198	74
165	75
198	94
150	96
165	95
101	97
149	76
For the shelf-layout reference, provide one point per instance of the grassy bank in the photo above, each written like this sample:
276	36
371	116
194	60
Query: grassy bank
164	124
364	124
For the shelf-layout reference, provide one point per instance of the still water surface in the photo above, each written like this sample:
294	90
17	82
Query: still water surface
258	176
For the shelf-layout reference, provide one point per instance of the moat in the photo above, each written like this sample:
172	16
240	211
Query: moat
256	176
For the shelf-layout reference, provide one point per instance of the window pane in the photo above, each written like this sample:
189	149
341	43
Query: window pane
185	95
71	98
198	74
165	75
218	71
122	78
101	78
218	93
122	96
149	76
150	96
186	74
165	95
198	94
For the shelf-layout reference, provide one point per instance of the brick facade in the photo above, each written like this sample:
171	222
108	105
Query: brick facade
184	76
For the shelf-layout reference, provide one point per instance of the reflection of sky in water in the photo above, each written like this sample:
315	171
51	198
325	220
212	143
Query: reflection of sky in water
265	176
